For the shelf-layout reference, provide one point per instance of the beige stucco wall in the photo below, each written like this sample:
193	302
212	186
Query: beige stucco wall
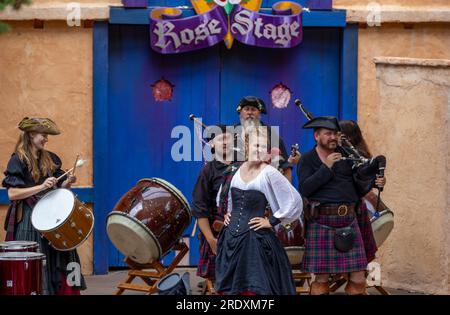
48	72
414	103
410	258
393	40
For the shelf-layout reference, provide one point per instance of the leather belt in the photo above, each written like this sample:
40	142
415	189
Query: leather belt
340	210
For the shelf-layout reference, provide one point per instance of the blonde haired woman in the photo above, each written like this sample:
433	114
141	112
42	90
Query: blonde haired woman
250	258
31	172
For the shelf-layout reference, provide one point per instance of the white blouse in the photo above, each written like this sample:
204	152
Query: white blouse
283	198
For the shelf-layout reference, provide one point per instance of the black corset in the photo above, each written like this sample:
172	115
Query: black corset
247	204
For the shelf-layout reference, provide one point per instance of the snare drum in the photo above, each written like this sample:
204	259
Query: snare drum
148	220
21	273
62	219
382	221
19	246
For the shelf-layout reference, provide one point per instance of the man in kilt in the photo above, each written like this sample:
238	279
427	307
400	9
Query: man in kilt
334	243
210	218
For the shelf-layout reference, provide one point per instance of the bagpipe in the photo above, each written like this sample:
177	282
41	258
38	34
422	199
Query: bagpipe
367	170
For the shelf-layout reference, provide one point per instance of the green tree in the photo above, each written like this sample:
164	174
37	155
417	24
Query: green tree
16	4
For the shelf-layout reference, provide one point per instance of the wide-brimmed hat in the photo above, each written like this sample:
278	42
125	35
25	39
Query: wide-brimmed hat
327	122
41	125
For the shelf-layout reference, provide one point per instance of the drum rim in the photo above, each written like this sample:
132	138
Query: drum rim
151	234
16	256
381	213
294	247
174	190
62	223
83	240
16	245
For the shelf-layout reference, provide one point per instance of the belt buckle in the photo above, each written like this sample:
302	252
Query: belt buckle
342	210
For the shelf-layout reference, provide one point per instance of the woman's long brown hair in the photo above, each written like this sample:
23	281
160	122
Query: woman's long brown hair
24	151
353	133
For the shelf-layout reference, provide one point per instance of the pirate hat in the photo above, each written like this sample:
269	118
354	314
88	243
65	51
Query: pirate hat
327	122
41	125
252	101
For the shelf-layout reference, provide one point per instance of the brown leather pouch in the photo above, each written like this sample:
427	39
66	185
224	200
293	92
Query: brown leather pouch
217	225
310	210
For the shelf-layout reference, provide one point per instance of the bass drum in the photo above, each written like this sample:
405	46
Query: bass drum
148	220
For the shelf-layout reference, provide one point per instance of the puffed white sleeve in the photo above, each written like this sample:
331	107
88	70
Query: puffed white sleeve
229	205
284	200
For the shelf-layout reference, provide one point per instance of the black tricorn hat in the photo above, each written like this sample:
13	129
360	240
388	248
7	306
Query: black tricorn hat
327	122
252	101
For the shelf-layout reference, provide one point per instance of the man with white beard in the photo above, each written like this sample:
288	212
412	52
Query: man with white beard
250	109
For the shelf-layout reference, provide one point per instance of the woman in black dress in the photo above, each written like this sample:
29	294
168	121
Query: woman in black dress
30	173
250	258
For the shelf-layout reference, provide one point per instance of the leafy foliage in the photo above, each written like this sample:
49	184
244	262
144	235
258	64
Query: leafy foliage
16	4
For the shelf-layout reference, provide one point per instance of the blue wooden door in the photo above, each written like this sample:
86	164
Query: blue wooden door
208	83
140	128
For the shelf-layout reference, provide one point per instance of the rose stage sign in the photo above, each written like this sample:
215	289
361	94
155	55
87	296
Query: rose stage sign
218	20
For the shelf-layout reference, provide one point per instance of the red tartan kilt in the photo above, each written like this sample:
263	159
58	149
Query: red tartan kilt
370	246
207	262
320	253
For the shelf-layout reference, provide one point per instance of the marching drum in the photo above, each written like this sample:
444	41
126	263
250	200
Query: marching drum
292	239
19	246
148	220
21	273
382	221
62	219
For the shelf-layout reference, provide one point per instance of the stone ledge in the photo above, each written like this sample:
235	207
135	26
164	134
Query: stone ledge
355	14
399	14
55	11
400	61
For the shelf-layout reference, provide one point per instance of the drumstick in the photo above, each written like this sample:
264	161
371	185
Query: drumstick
75	164
79	164
194	229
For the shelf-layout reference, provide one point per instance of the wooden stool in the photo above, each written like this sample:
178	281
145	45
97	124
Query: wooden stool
302	277
208	288
151	278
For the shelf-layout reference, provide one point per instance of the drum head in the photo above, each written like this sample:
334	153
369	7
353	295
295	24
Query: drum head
52	210
295	254
382	226
132	238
